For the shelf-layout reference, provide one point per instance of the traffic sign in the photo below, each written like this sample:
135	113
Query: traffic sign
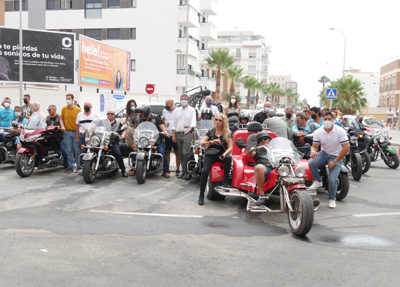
150	89
331	94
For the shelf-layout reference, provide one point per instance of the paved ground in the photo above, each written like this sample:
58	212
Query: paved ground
55	230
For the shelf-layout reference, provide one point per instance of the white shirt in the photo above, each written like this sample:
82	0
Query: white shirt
389	114
81	118
396	114
331	143
214	109
184	118
169	119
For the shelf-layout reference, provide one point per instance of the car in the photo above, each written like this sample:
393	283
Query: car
156	108
367	121
280	112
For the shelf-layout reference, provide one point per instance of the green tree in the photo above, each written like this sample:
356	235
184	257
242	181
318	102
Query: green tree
228	96
324	80
274	89
219	59
232	75
249	84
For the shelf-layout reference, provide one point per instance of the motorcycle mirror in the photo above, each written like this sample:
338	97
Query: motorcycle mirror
206	92
240	143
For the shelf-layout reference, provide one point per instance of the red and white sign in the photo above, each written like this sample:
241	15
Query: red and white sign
150	89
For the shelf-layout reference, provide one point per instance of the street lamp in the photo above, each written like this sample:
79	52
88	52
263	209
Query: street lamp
334	70
344	53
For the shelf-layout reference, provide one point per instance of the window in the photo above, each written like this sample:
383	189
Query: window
16	5
252	67
93	8
252	55
133	65
238	53
113	33
113	4
66	4
133	33
50	4
134	4
93	33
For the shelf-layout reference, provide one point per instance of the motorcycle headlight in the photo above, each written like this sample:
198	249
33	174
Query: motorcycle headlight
353	140
144	141
300	171
94	141
31	138
382	139
283	170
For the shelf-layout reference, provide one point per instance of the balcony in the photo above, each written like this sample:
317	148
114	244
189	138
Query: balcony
208	82
203	54
208	31
192	79
210	7
192	21
193	49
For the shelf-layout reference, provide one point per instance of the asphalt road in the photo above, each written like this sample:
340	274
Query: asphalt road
55	230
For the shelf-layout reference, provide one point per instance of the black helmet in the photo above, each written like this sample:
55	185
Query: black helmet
206	114
244	115
263	134
145	109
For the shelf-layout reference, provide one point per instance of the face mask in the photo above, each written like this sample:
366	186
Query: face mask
233	101
184	103
328	124
314	117
360	120
25	101
133	108
69	102
17	114
6	105
267	109
209	103
168	108
87	109
288	116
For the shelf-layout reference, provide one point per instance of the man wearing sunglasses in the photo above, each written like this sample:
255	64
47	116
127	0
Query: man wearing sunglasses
262	166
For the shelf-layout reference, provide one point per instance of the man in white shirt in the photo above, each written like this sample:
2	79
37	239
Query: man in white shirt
182	132
334	147
82	123
209	105
168	118
389	120
395	117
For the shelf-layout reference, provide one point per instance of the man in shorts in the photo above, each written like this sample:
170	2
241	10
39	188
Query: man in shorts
389	118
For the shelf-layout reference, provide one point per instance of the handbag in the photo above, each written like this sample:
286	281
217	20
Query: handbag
214	150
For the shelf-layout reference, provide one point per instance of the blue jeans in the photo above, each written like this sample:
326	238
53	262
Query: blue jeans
63	148
82	142
72	148
161	150
322	159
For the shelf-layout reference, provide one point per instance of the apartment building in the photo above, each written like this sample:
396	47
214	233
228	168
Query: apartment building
389	88
168	39
370	82
251	53
285	82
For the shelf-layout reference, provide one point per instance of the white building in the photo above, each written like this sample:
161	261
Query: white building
159	34
251	54
370	82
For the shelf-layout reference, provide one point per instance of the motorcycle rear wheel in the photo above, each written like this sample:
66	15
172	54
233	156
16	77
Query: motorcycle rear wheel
302	218
89	170
343	186
211	194
393	160
356	166
22	166
141	171
366	159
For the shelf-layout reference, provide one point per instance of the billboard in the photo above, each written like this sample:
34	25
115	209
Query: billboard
48	57
103	66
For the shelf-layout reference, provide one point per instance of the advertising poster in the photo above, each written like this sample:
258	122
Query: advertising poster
111	102
48	57
103	66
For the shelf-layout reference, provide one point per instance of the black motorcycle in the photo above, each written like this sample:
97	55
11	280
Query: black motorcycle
353	159
8	149
197	99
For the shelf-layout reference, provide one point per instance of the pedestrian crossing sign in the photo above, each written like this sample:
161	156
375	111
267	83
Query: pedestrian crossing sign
331	94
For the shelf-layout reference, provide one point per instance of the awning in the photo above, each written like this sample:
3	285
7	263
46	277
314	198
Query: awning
195	65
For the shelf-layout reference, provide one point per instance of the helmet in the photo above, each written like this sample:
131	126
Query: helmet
145	109
244	115
262	134
206	114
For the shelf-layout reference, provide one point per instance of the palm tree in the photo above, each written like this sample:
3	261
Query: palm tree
249	83
323	80
219	59
233	75
290	95
350	95
274	88
258	87
266	91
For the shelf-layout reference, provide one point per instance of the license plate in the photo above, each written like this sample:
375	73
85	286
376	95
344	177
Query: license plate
88	155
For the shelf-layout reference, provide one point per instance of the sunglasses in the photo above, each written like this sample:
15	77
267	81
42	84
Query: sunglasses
48	110
218	120
110	114
263	139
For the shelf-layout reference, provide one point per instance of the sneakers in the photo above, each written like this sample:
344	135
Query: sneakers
78	170
68	171
315	185
332	203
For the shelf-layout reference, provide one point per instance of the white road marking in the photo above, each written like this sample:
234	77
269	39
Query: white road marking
376	214
145	214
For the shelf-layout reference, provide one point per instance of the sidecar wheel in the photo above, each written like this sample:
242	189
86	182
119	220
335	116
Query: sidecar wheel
89	170
342	186
302	218
211	194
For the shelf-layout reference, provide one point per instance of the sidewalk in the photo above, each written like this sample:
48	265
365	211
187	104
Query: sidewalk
395	135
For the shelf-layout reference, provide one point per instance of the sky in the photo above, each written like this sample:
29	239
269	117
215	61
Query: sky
301	42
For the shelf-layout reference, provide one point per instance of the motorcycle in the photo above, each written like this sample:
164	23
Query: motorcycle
8	149
362	143
196	154
146	138
379	145
98	158
285	180
40	146
196	100
353	159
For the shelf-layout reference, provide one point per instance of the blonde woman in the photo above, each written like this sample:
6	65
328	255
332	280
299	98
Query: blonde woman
218	142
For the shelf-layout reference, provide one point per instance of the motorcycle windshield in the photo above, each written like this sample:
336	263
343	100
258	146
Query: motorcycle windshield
36	121
147	129
203	127
100	126
279	148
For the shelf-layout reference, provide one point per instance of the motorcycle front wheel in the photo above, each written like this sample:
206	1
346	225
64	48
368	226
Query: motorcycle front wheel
392	160
366	160
343	186
89	170
356	166
141	171
302	218
23	167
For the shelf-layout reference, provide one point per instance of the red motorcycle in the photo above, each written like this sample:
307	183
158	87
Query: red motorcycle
285	180
40	146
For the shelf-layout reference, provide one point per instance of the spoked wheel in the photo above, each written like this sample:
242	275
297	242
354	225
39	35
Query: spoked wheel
24	166
89	170
211	194
366	160
302	217
392	160
356	166
342	186
141	171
